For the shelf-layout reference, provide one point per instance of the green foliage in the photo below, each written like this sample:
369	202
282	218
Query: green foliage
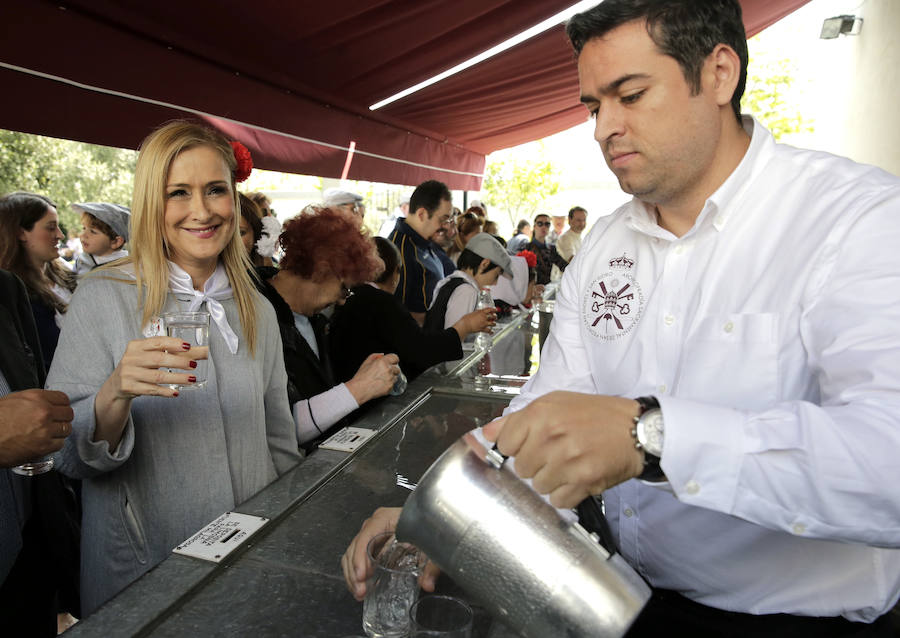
769	92
65	171
519	186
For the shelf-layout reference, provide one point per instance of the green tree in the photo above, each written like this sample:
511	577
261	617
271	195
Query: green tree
771	86
519	187
65	171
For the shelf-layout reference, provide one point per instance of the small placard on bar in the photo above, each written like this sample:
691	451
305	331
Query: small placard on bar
221	537
347	439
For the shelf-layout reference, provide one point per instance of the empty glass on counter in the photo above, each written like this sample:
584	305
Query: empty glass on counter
440	617
393	586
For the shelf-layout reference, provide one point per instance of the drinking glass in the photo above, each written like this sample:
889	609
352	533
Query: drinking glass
33	468
192	328
393	586
440	617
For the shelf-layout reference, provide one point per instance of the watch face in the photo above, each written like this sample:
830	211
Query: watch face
650	431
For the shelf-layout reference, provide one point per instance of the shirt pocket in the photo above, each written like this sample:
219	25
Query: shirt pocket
732	360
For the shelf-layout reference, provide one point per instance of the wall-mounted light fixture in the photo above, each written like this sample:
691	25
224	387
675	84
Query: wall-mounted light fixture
833	27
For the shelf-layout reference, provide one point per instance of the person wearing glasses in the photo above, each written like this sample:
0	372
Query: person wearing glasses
547	257
325	253
430	208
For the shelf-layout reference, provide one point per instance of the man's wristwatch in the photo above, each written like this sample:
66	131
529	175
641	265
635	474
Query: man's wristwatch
648	433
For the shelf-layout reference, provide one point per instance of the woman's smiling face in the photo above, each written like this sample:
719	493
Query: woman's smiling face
199	214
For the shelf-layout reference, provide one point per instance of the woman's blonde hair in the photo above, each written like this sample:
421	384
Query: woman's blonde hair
149	248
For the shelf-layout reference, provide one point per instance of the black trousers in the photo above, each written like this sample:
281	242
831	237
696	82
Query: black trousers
44	579
670	613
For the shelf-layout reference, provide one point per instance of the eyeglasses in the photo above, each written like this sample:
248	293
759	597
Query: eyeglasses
547	224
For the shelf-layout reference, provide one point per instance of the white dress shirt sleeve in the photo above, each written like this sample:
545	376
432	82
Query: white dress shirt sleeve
564	359
826	470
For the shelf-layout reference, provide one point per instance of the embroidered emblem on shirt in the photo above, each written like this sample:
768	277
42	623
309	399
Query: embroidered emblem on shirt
613	302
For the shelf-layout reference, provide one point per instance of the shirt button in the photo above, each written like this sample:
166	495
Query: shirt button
629	512
669	319
662	388
692	487
798	528
729	327
679	249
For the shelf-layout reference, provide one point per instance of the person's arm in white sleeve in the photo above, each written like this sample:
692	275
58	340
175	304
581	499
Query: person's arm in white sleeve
826	470
462	301
315	415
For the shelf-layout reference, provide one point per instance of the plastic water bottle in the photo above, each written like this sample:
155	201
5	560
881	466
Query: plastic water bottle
483	339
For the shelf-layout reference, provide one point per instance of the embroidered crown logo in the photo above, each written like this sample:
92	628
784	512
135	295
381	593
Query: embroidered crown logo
622	263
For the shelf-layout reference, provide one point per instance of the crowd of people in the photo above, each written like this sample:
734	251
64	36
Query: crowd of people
307	323
722	366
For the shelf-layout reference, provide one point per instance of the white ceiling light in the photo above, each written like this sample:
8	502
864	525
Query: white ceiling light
500	48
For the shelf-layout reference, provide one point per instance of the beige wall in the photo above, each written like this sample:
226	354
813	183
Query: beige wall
872	118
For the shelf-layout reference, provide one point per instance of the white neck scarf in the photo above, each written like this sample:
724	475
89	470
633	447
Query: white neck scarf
217	287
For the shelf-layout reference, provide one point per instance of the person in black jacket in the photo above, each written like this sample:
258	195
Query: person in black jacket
374	320
324	250
38	543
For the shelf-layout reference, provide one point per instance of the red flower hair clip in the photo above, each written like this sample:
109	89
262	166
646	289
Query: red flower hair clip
244	161
530	257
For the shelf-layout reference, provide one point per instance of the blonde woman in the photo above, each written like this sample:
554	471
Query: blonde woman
160	463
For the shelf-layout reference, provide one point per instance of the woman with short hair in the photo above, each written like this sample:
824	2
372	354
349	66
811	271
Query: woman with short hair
325	254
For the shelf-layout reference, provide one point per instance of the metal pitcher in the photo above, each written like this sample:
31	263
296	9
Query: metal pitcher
514	554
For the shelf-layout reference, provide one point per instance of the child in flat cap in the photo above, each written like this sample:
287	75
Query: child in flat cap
105	234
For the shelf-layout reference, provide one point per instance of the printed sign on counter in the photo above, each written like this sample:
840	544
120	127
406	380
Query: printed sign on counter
221	537
347	439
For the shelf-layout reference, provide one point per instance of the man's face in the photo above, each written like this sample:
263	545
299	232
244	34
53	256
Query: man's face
657	138
441	216
578	221
541	227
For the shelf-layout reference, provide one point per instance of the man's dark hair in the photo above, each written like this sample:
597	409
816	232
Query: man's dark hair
521	225
429	195
686	30
390	255
574	210
468	260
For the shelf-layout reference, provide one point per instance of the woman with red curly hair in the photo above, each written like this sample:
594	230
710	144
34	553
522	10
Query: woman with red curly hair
325	254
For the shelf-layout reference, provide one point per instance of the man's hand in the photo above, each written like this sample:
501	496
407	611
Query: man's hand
571	445
355	563
33	423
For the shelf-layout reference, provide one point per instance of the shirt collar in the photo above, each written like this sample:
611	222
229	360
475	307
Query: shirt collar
411	232
717	210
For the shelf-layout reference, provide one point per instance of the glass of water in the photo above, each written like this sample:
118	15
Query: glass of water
192	328
393	586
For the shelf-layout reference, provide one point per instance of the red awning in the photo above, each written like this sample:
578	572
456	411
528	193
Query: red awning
293	81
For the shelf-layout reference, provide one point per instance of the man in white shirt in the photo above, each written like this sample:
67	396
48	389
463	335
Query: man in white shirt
570	242
753	291
749	294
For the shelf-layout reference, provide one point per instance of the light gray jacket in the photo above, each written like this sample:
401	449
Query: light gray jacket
181	461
